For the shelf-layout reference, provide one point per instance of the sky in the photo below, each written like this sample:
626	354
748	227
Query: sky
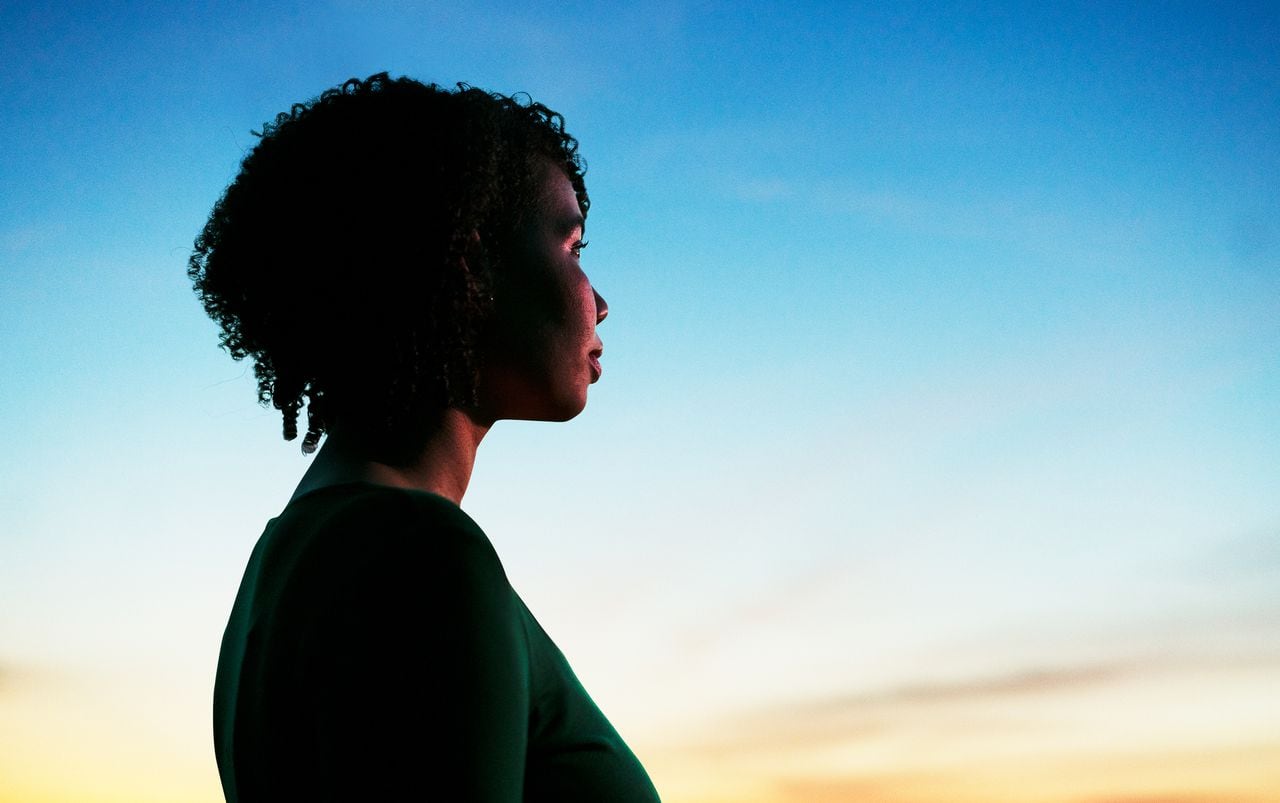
936	456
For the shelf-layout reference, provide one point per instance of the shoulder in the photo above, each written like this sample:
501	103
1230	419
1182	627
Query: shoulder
371	534
382	503
382	515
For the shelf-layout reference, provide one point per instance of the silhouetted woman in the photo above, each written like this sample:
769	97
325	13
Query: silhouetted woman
405	260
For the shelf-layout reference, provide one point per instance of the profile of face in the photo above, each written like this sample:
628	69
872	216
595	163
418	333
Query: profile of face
542	350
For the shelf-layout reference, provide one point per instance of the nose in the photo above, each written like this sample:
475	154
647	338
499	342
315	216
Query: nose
602	306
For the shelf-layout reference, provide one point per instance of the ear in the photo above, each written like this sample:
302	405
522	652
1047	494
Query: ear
473	247
472	252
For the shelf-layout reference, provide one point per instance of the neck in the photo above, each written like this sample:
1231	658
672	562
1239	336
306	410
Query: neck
443	466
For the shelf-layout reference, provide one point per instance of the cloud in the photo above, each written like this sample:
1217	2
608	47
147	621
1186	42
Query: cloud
21	678
1027	682
984	714
839	790
10	676
1033	681
1254	554
956	787
1023	219
847	718
1190	798
916	772
769	605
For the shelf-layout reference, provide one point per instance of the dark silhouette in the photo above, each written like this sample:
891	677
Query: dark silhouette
403	260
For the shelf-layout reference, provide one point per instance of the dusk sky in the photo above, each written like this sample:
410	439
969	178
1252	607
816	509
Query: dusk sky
937	453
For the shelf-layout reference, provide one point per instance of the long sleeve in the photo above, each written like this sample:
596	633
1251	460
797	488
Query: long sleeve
418	674
377	653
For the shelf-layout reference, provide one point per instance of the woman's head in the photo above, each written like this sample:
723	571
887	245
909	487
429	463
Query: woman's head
542	351
356	255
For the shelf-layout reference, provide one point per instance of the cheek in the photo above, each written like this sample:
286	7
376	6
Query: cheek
585	303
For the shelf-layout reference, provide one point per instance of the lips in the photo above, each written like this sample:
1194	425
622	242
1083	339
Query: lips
593	360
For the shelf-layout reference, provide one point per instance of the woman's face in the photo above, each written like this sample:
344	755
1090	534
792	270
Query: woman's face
543	351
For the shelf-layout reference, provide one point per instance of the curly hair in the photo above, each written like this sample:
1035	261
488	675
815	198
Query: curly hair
352	256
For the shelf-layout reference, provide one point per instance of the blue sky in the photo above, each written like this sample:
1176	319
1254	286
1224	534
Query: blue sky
944	348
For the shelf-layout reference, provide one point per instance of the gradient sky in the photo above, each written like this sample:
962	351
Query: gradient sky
936	458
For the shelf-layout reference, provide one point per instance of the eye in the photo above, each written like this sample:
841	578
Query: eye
577	247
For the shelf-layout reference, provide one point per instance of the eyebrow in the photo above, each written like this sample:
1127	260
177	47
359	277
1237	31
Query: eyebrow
568	223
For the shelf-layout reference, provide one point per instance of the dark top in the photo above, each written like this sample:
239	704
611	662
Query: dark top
377	651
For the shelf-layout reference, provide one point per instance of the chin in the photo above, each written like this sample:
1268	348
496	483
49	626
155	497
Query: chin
538	400
550	410
564	412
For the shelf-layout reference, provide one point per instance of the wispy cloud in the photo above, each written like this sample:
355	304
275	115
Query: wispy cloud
1032	681
1192	798
877	766
1252	554
869	715
1027	219
1054	786
780	599
1024	682
934	706
19	678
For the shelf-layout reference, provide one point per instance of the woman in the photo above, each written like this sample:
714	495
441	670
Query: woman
405	260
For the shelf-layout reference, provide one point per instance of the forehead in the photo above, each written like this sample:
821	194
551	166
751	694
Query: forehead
557	200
